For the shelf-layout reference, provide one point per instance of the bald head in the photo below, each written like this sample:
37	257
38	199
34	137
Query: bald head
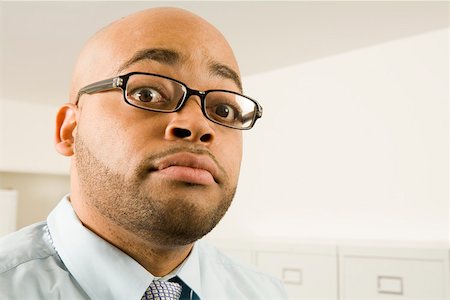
147	39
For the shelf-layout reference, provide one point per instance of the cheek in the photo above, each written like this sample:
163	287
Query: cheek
231	154
103	135
116	132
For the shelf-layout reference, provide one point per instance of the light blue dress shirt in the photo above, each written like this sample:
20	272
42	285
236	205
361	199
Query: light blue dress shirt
62	259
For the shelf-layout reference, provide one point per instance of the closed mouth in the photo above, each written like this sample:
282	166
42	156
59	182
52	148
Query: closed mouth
189	167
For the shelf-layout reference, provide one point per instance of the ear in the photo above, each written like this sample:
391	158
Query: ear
66	123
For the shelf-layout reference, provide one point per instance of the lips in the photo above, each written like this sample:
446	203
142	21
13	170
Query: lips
187	167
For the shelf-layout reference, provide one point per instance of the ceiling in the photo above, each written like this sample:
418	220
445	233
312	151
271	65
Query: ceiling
40	40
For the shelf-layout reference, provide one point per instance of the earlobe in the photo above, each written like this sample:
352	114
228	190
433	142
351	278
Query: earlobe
66	123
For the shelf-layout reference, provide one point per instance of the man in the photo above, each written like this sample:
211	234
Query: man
155	164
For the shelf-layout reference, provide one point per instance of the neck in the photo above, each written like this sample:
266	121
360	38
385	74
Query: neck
158	259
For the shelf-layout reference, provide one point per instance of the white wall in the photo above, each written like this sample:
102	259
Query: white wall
352	146
27	138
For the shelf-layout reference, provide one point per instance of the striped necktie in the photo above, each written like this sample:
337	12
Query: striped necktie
162	290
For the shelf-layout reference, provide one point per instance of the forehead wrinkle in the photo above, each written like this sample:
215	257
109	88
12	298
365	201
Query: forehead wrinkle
161	55
218	69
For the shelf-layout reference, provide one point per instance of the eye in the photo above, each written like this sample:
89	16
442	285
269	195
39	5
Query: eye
226	112
147	94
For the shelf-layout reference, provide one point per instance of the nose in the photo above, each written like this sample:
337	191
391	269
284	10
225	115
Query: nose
190	124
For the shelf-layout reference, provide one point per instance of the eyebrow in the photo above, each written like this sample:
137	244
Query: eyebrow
171	57
225	72
162	55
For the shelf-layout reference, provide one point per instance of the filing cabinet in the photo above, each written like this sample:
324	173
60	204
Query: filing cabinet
307	272
366	271
393	274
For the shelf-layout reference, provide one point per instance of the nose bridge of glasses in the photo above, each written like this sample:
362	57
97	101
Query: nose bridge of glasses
200	95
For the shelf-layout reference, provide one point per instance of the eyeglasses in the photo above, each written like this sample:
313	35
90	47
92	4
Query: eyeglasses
163	94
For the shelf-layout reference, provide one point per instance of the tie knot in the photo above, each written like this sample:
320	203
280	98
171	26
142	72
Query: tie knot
162	290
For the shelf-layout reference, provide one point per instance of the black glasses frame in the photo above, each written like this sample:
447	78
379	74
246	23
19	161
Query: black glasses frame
121	82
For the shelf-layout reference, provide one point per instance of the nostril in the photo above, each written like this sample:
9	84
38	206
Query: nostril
181	132
206	138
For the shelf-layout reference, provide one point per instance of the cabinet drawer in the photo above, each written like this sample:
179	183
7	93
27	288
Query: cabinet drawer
374	278
305	276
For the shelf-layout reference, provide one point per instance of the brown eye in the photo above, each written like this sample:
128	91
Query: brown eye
226	112
146	95
222	111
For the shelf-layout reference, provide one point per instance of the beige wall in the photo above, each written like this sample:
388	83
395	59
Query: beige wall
37	194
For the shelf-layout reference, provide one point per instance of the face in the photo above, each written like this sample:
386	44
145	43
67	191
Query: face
168	177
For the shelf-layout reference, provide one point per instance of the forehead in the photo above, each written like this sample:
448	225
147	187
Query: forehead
192	39
197	43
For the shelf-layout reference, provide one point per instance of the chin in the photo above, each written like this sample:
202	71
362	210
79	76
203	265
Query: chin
183	221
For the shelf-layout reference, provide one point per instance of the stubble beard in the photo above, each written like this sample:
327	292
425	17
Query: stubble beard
154	215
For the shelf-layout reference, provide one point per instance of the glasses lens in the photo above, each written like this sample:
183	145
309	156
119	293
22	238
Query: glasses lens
153	92
230	109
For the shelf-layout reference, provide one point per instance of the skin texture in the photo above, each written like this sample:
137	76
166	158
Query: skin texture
115	148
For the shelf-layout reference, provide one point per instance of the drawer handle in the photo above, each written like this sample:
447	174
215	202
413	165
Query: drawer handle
390	285
292	276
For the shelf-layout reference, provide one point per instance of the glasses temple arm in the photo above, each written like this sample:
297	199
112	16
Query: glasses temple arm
251	115
101	86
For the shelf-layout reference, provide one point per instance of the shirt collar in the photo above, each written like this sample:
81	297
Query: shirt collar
190	272
101	269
